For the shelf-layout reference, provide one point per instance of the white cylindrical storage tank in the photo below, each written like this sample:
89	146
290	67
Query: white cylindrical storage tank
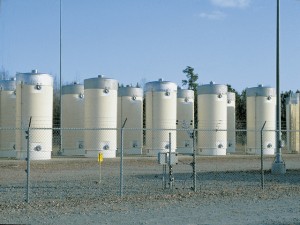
261	108
8	118
161	113
293	122
185	120
100	116
231	140
212	119
72	117
35	101
130	108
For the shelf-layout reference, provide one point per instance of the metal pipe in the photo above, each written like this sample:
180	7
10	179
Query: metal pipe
171	179
28	161
60	84
278	158
194	161
121	158
261	156
278	166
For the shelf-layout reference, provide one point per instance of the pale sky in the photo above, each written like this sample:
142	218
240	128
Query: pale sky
137	41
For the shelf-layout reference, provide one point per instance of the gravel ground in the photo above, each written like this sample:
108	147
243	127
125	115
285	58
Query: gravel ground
69	191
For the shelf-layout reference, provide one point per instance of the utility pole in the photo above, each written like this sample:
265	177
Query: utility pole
278	166
60	85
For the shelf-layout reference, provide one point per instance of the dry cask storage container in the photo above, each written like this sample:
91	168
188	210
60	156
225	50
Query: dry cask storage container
130	108
100	116
261	108
72	119
185	120
161	103
293	122
231	122
35	101
212	119
8	118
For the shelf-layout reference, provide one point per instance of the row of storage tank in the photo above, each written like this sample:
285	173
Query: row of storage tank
101	103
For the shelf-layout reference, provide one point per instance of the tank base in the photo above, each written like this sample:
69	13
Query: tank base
132	151
107	154
253	151
187	151
73	152
230	150
211	151
41	155
154	152
8	154
278	168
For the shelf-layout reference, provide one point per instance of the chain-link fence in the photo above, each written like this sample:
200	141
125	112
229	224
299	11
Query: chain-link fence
131	165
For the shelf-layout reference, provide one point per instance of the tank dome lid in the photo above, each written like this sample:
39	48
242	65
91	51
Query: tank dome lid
72	89
212	88
260	91
101	82
130	91
34	78
185	93
160	86
8	85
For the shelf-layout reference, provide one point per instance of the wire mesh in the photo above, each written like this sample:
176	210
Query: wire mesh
71	174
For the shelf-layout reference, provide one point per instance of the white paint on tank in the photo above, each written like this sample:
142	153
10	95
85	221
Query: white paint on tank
261	108
72	118
130	108
293	122
212	119
100	117
185	120
231	139
161	104
7	118
35	101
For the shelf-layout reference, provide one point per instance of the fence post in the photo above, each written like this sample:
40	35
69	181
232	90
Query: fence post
194	160
121	159
171	178
28	161
262	181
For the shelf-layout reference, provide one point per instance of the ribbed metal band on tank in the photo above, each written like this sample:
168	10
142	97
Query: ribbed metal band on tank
130	91
160	86
101	83
294	98
34	78
260	91
8	85
231	96
72	89
212	89
185	93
